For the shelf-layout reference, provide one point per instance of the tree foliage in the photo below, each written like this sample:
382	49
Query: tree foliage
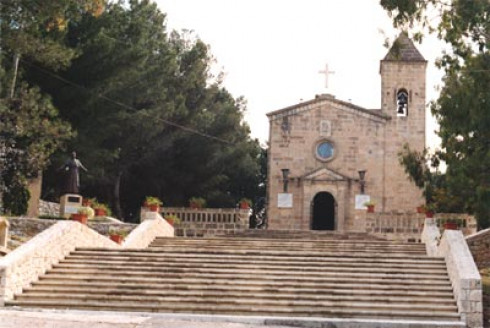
463	107
29	125
150	119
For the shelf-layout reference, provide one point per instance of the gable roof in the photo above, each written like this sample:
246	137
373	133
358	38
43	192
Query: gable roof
325	174
403	49
305	106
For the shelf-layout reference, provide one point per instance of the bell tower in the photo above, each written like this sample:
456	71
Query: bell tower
403	100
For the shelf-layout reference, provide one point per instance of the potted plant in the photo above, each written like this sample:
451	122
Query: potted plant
81	215
452	223
117	235
153	203
421	209
430	210
172	219
245	203
370	206
87	202
101	209
197	202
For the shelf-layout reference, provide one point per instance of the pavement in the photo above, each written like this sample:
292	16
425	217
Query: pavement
41	318
25	318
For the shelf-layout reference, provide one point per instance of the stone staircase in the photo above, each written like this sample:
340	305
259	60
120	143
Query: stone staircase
304	276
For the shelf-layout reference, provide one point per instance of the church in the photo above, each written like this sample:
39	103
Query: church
327	157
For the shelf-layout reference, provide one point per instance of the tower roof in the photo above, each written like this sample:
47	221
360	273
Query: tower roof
403	49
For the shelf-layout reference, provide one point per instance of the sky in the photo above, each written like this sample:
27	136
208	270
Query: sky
271	51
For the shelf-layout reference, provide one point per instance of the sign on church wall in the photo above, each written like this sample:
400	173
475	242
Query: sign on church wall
360	200
284	200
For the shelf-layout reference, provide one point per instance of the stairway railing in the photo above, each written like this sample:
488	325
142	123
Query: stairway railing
207	215
411	225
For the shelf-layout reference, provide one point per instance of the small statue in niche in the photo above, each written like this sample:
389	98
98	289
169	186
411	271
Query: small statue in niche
71	181
402	102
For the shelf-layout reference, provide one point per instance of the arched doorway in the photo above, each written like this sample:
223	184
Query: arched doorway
323	212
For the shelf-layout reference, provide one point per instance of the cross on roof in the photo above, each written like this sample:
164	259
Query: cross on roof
326	72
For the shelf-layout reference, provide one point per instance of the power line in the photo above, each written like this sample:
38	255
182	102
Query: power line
128	107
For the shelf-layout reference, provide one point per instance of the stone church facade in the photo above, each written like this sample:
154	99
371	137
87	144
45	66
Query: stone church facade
318	147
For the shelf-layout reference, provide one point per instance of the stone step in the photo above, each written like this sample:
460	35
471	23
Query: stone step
190	255
310	276
326	310
298	272
303	234
205	290
268	242
194	284
294	248
168	300
327	260
340	267
246	279
182	251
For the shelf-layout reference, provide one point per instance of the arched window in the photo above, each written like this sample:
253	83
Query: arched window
402	102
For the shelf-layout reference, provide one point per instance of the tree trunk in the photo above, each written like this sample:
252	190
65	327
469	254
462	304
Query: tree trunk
14	78
117	199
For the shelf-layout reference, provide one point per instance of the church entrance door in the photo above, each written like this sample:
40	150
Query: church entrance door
323	212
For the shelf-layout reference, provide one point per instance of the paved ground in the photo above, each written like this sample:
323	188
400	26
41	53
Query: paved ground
27	318
86	319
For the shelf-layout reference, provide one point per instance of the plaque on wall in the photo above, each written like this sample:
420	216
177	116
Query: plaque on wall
284	200
360	200
325	128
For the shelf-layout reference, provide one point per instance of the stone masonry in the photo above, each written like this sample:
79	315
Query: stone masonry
479	245
362	139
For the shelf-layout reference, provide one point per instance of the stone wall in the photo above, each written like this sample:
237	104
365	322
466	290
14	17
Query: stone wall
49	208
152	226
207	222
464	275
25	264
23	229
479	244
200	229
486	309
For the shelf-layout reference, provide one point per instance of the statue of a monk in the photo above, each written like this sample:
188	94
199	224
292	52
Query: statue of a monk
71	183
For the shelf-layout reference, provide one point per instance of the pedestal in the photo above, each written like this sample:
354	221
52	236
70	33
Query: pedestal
4	232
69	204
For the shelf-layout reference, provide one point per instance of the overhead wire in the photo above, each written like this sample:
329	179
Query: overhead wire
128	107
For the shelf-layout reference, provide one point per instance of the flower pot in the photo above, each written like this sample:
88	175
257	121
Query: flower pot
244	206
100	212
429	214
82	218
86	202
370	208
420	209
117	238
153	207
170	221
450	226
194	206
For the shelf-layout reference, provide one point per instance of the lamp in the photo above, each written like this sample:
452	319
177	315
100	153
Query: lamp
285	175
362	182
